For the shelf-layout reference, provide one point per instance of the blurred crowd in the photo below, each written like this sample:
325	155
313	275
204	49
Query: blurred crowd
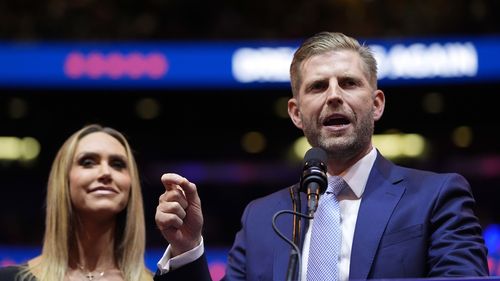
244	19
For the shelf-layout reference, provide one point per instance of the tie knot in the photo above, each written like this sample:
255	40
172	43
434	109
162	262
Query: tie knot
335	184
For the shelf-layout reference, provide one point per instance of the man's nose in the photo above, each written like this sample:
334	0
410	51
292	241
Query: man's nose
334	93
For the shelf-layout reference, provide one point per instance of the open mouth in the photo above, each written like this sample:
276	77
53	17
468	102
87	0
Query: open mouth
336	120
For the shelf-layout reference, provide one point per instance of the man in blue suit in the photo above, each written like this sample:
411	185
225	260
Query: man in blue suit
395	222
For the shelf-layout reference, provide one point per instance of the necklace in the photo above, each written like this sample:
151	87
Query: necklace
90	275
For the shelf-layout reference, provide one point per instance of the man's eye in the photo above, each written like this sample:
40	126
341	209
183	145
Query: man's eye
349	83
318	86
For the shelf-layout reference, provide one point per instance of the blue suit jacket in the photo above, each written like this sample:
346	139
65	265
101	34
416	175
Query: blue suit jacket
411	224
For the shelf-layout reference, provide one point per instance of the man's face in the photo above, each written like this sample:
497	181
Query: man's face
336	106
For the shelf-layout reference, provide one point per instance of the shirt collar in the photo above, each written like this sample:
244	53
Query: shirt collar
357	175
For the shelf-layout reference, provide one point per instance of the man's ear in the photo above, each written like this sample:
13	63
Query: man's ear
294	112
378	105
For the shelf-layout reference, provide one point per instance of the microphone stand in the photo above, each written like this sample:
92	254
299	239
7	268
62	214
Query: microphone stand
294	255
314	181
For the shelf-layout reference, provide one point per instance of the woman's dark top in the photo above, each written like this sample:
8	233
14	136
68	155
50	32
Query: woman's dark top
10	273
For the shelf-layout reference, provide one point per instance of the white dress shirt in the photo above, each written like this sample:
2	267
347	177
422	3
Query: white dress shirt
349	200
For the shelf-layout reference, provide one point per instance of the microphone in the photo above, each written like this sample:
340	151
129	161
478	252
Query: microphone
314	181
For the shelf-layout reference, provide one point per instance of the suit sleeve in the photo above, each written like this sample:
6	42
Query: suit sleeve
196	270
456	244
236	269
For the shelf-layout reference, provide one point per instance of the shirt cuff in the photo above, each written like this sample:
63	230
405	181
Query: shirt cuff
167	263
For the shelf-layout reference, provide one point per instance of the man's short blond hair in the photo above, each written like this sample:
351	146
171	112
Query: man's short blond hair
324	42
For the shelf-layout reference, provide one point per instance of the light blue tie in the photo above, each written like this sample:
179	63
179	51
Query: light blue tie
326	236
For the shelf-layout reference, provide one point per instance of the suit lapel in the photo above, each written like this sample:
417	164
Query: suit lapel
281	257
381	195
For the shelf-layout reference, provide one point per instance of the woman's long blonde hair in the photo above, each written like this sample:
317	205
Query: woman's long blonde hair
60	222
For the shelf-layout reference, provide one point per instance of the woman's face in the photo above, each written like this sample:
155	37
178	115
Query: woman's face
99	178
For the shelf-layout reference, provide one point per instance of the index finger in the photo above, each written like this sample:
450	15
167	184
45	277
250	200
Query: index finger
172	181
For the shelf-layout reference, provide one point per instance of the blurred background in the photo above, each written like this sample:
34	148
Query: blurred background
200	88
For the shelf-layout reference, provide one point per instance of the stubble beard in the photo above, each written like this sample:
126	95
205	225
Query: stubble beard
345	147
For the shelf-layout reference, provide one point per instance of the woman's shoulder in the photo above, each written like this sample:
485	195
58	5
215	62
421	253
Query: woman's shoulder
9	273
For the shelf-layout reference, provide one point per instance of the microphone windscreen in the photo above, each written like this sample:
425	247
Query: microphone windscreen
315	154
314	169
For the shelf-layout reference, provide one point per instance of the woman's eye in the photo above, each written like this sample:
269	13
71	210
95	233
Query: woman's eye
86	162
118	164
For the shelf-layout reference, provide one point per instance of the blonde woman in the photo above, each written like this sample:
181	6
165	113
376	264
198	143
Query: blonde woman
94	219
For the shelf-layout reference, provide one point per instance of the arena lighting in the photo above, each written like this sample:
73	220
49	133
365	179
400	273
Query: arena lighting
407	61
115	65
415	61
216	257
19	149
253	142
262	64
299	148
419	61
390	145
400	145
